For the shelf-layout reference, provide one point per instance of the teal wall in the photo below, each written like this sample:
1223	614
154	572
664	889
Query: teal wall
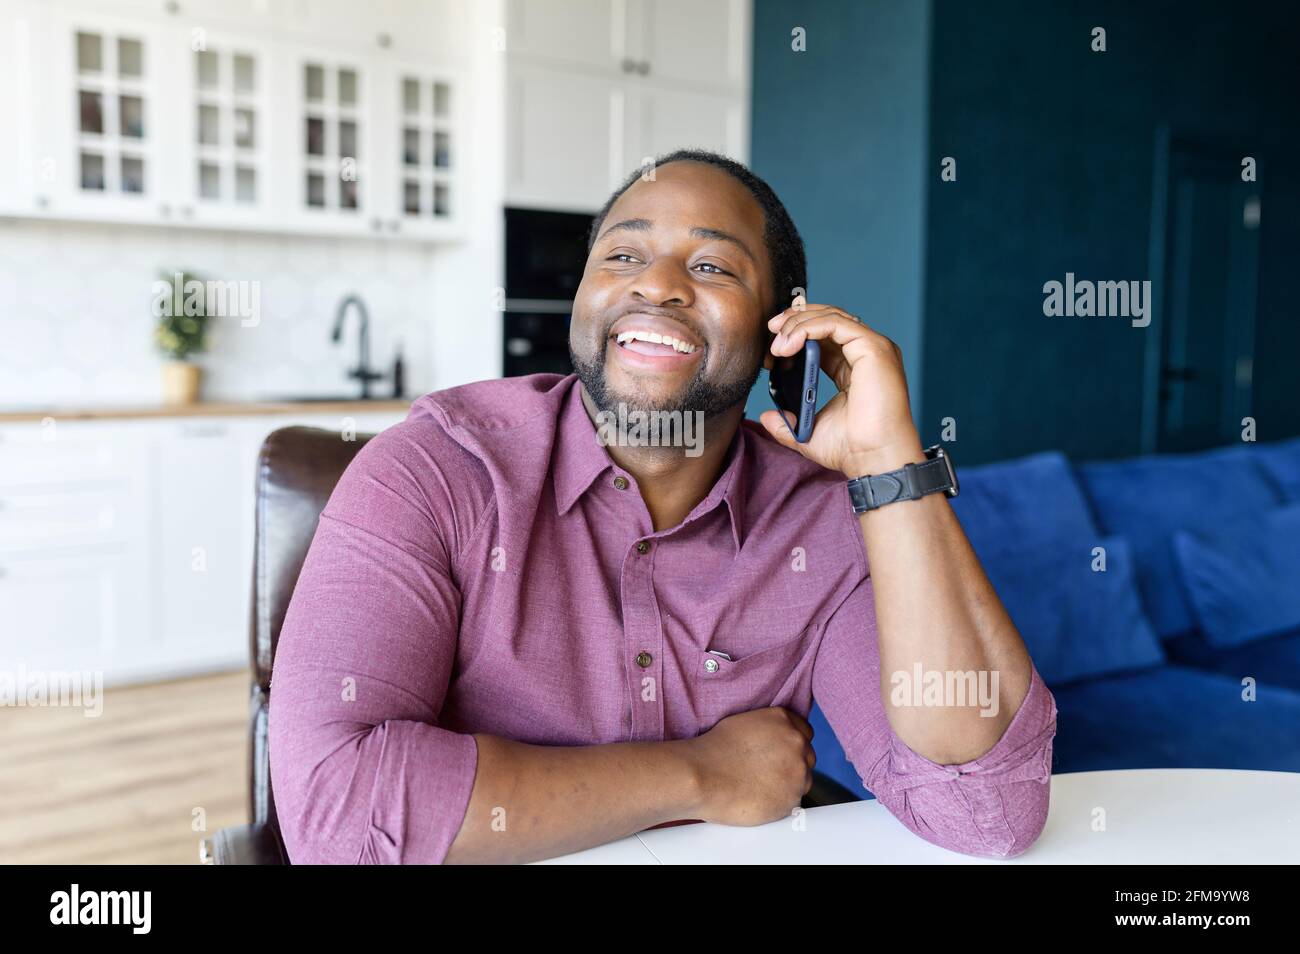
1055	149
839	131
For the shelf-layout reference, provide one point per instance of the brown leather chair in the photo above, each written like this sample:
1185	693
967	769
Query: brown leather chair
297	469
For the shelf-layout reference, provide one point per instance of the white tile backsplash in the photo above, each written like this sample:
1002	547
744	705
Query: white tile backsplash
76	324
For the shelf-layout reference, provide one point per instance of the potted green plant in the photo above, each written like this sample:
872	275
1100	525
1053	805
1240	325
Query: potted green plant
181	309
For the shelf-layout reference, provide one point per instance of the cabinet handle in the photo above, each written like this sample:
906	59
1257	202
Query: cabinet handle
377	224
643	67
164	210
629	65
203	430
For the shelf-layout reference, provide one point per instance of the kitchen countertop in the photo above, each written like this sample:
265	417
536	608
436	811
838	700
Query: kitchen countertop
205	409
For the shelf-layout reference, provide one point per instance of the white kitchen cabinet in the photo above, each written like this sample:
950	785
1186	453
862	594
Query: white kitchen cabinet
335	143
228	122
423	143
432	29
201	550
74	547
240	120
63	487
17	170
569	33
573	139
567	138
73	612
101	93
698	43
661	119
127	546
80	514
595	91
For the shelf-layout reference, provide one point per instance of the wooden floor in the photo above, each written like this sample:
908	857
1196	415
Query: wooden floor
122	788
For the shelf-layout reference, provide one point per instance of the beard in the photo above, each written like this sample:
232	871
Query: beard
701	394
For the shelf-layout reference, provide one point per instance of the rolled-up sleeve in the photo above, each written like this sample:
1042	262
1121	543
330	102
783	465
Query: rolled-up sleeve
992	806
361	770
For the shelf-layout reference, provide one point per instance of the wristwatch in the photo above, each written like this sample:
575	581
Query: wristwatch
907	483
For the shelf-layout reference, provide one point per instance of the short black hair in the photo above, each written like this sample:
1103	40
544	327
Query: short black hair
784	246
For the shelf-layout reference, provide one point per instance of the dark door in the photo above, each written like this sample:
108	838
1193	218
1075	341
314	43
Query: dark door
1207	327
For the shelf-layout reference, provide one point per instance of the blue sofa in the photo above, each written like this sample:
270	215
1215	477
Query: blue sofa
1159	597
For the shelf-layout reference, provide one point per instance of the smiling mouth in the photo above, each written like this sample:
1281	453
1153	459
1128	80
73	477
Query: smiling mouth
640	350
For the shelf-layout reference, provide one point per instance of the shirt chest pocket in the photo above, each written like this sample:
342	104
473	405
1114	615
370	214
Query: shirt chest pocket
778	675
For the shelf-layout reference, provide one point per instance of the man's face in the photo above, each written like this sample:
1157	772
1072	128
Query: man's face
681	256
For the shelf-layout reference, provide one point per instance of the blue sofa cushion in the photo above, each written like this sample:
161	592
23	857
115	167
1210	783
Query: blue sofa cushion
1027	502
1281	461
1243	580
1075	620
1273	662
1147	499
1173	717
1029	523
1167	717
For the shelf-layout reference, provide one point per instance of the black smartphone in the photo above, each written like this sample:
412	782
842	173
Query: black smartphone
792	382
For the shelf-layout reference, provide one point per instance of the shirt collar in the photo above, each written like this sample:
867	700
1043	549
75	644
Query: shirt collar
580	459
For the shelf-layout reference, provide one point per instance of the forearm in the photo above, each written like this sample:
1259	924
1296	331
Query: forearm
531	802
964	776
935	607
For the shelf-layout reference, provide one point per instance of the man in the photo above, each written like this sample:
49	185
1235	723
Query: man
514	637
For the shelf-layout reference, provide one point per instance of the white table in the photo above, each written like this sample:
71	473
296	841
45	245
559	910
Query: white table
1161	816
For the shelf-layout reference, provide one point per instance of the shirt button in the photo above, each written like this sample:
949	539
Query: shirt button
620	482
643	546
644	659
710	665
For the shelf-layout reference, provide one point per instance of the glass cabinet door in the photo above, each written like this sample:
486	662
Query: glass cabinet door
111	114
100	101
229	124
428	147
333	117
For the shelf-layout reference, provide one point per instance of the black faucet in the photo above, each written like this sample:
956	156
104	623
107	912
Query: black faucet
362	372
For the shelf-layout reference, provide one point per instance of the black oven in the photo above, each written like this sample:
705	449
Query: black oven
545	255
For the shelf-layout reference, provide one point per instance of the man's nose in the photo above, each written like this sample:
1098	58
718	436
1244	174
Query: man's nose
663	282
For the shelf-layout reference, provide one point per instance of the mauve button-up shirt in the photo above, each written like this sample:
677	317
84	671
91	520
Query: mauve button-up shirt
480	567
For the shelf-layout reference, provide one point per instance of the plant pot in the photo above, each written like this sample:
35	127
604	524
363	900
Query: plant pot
180	382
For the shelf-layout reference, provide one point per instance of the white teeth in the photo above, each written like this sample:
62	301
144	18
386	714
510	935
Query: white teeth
655	338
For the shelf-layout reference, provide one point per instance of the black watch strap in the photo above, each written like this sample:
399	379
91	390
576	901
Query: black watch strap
907	483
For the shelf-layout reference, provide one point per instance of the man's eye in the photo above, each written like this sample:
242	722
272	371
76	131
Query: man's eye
618	256
717	269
